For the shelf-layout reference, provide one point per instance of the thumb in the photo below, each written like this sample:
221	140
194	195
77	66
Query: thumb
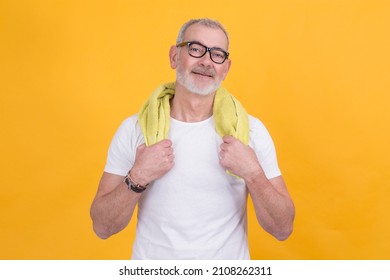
228	139
165	143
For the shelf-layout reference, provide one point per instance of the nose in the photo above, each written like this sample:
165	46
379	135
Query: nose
206	59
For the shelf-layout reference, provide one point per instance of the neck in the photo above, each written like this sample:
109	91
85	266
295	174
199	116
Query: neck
190	107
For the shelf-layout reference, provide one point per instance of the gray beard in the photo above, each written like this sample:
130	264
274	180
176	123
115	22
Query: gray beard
187	82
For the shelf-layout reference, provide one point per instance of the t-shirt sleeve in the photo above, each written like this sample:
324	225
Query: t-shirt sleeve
263	145
121	153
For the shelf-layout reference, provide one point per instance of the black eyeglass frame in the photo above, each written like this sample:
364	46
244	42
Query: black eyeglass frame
209	50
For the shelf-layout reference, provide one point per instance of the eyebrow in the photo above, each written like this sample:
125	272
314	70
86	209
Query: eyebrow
214	48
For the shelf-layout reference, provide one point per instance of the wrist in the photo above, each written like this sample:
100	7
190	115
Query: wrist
137	177
132	185
254	176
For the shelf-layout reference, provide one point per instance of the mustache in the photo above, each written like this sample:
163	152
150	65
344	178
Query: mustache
203	71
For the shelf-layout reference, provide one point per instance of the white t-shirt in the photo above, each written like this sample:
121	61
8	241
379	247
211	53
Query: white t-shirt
196	210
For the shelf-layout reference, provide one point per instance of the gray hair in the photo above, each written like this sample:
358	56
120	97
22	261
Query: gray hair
203	21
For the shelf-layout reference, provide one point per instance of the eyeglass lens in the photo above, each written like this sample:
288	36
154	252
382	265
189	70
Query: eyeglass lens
198	50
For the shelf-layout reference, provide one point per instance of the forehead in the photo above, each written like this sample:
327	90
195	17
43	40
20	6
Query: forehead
211	37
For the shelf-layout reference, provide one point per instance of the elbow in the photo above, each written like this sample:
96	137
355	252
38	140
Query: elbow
104	229
283	234
284	230
101	232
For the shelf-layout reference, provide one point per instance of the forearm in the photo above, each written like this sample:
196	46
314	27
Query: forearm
274	208
113	211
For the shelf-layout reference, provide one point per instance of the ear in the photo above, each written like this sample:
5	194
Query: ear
227	67
173	53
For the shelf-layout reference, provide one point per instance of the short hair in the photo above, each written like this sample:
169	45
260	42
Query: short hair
205	22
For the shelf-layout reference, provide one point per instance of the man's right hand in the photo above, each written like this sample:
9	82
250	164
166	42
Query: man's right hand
152	162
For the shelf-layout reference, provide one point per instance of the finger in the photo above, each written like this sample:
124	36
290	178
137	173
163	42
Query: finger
228	139
170	151
165	143
222	160
171	158
167	151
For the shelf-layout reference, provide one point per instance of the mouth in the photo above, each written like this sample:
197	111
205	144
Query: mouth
204	74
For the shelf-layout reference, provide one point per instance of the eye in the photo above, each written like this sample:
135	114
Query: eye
218	55
196	49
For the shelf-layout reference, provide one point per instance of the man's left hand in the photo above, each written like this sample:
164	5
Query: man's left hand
238	158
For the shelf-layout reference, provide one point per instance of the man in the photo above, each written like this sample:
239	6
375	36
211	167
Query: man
191	186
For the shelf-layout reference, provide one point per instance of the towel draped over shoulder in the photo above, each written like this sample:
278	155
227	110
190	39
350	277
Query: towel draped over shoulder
230	116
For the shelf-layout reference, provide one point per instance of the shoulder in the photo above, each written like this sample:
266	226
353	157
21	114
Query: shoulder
129	126
259	136
130	122
121	154
261	141
256	125
129	133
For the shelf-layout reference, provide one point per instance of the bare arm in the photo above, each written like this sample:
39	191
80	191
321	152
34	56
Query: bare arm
273	205
114	203
274	208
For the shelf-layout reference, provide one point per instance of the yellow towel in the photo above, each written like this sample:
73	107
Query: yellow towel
155	114
230	117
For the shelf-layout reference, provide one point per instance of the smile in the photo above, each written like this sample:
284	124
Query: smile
203	74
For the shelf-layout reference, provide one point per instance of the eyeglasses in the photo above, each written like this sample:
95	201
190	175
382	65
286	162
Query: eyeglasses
196	49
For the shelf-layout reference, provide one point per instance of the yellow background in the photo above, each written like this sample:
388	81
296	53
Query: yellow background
316	72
